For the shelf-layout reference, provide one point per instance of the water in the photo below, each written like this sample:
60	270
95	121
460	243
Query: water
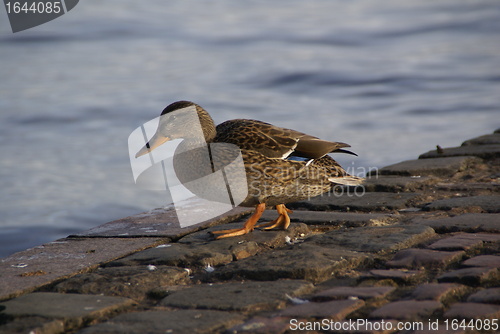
392	78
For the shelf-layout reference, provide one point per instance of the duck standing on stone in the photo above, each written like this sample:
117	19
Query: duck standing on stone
281	165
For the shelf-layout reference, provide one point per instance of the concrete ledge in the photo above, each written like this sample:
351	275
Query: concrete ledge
481	151
409	248
158	223
31	269
437	166
36	267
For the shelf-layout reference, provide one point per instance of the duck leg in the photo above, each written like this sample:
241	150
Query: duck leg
247	227
283	221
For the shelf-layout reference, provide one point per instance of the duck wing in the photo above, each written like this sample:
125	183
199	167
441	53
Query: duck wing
273	141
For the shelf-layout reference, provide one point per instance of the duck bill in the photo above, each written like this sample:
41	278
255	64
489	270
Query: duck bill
155	141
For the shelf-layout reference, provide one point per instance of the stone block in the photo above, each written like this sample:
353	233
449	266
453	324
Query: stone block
396	183
161	322
335	310
361	292
489	203
132	282
399	276
374	239
461	241
32	325
441	167
407	310
366	202
269	238
177	255
438	291
199	249
491	261
427	258
481	151
160	222
487	296
30	269
468	222
332	218
492	139
238	296
302	261
473	311
73	309
470	187
475	276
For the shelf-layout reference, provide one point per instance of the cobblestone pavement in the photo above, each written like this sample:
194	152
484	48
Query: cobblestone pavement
416	250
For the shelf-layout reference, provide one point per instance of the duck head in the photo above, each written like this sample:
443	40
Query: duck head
181	119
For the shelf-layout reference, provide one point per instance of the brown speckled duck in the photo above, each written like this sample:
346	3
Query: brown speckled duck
281	165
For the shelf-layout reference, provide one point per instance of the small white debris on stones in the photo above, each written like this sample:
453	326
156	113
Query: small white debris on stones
296	300
188	271
163	246
209	268
290	241
19	265
151	267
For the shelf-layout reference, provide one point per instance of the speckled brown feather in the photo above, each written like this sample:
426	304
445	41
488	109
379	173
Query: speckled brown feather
273	141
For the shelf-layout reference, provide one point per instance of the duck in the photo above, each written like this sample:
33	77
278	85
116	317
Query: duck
280	165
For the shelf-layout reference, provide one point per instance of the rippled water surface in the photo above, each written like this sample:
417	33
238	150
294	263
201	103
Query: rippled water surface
391	78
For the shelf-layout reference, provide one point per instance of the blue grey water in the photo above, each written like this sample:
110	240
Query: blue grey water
392	78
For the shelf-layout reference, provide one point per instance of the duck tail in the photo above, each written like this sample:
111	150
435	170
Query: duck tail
347	180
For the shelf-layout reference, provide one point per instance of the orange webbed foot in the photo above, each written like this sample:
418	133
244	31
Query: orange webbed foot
247	227
283	220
